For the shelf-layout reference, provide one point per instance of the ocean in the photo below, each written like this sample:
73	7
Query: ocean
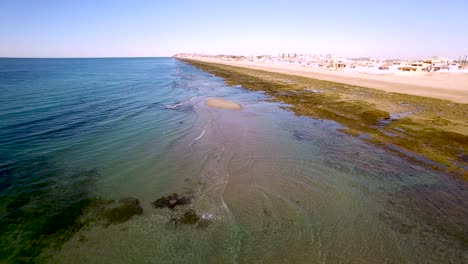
79	137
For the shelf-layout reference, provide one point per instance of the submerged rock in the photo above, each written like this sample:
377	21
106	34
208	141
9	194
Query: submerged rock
303	136
171	201
190	218
125	209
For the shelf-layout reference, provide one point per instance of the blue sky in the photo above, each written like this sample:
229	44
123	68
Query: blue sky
117	28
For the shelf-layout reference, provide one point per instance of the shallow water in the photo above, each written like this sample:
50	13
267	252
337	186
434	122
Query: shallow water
273	187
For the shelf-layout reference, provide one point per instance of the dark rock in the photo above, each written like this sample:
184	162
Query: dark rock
125	209
171	201
189	218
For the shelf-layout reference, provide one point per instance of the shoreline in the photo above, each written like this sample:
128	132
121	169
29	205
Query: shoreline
448	86
428	131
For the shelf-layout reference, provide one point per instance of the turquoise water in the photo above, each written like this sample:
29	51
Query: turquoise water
270	186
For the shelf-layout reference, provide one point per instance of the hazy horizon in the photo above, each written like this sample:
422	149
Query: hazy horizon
89	29
149	57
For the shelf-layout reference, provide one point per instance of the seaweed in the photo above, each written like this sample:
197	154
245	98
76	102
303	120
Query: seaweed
44	208
123	211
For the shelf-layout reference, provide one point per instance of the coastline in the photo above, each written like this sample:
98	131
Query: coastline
428	131
448	86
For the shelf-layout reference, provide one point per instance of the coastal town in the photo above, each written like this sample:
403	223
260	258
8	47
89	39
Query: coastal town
342	63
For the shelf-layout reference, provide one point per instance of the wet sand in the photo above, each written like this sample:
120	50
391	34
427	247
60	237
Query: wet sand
449	86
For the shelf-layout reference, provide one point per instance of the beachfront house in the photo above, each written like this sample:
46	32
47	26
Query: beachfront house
415	67
443	64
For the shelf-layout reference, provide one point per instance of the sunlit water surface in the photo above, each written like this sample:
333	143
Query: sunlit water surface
273	187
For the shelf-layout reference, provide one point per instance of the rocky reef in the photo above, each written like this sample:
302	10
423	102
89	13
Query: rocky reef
189	217
171	201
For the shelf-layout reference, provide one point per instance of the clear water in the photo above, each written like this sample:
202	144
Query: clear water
275	187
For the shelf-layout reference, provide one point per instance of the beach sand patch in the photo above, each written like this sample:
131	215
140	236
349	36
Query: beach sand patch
223	104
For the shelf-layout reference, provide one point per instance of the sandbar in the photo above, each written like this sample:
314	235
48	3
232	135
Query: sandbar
223	104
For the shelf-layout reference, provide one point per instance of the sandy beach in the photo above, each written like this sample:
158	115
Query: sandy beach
449	86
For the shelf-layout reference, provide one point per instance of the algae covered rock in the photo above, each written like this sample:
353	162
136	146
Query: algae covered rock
189	218
171	201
